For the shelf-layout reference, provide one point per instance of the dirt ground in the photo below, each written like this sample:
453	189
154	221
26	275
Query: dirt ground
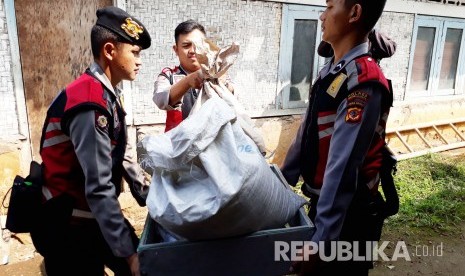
25	261
432	260
430	254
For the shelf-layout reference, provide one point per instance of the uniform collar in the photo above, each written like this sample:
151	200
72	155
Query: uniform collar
352	54
97	71
184	71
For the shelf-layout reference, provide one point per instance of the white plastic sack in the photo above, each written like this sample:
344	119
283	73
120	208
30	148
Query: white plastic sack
214	63
211	181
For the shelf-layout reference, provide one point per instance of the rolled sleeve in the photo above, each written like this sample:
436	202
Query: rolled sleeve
161	93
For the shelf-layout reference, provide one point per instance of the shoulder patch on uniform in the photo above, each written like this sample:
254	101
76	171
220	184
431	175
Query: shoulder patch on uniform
335	86
101	121
356	102
354	114
359	97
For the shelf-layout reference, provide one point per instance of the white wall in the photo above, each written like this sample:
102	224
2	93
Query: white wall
255	25
9	126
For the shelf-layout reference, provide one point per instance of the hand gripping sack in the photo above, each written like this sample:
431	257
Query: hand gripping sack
211	181
214	63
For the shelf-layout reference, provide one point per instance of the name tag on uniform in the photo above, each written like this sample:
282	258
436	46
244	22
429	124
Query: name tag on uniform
333	89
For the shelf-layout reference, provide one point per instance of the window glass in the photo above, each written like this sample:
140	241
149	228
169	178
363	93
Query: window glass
450	59
422	58
303	50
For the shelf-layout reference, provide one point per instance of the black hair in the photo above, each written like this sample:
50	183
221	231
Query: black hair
371	11
187	27
99	36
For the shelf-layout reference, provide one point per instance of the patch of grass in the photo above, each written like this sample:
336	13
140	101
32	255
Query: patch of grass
432	194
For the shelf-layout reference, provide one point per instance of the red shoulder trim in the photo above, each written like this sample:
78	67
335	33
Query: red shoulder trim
368	70
167	70
86	89
170	70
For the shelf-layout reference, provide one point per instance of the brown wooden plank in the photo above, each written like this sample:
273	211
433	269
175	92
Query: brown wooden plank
422	137
425	125
457	131
452	146
54	40
440	135
403	141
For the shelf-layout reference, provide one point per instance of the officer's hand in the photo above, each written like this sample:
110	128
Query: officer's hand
133	262
304	268
195	79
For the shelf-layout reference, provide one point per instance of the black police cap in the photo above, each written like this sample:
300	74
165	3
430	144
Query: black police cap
125	26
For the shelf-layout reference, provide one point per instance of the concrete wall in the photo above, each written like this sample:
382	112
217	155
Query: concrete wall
255	71
255	25
9	116
14	147
399	26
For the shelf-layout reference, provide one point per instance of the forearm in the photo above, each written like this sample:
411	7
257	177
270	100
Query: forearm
193	80
178	90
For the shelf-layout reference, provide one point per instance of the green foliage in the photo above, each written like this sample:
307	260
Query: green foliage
432	193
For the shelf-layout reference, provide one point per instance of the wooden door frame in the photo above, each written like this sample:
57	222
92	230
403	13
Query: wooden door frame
18	81
18	86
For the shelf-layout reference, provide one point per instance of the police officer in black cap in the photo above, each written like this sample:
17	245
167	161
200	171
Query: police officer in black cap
83	148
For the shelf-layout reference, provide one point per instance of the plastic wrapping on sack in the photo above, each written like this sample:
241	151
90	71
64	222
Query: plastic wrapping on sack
214	63
210	180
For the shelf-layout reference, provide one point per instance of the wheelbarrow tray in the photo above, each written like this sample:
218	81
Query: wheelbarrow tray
254	254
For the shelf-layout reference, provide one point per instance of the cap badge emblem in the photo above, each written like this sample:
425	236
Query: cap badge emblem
132	28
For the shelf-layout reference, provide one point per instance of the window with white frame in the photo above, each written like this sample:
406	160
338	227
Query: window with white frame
298	59
437	59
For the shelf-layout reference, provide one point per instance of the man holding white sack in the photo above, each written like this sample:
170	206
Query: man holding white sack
210	179
177	88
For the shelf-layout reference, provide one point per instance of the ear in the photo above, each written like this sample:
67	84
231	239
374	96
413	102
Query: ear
175	49
109	50
355	13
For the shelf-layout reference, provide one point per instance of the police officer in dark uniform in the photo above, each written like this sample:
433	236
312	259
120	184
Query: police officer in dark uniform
339	146
83	148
